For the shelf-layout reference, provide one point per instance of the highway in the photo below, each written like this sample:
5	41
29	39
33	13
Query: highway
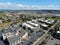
39	40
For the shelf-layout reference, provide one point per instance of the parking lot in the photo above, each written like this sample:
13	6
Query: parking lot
53	41
1	42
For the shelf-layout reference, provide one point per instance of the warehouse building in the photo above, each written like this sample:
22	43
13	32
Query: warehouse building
31	26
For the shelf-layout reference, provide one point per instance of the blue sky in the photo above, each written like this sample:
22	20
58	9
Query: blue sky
30	4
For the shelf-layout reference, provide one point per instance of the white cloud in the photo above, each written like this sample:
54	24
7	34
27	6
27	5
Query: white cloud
32	7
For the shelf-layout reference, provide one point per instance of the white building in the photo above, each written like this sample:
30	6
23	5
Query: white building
15	38
58	31
32	26
0	21
34	20
49	21
44	25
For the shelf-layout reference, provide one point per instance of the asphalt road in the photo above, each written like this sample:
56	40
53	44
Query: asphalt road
39	40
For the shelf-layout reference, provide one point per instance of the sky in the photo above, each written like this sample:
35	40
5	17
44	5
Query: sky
29	4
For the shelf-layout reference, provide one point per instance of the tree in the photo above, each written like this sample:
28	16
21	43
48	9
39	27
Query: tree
2	30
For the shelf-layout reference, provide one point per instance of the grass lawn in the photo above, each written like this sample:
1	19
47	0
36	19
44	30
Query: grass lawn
3	25
6	24
2	15
57	18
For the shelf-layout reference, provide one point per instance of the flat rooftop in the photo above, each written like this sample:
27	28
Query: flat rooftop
44	25
34	24
27	25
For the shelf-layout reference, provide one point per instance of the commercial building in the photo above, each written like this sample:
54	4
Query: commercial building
14	38
47	21
31	26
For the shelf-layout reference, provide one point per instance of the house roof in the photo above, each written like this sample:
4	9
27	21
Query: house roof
22	32
0	21
13	39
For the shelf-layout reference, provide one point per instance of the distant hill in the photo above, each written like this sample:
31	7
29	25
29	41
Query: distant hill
37	11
